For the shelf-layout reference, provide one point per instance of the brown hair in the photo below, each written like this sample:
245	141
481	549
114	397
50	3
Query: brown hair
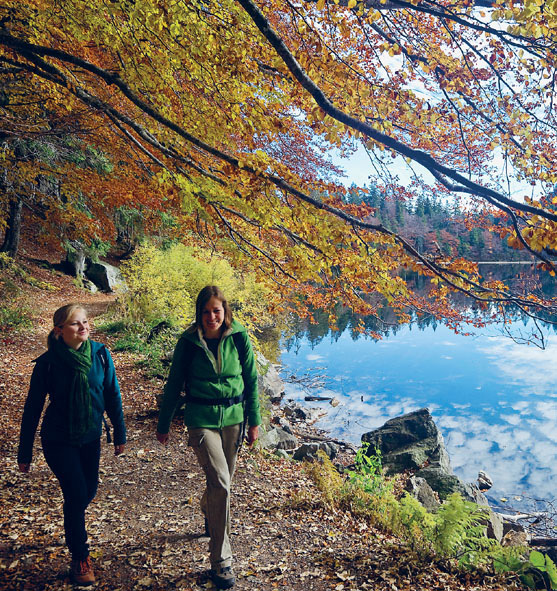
59	318
203	297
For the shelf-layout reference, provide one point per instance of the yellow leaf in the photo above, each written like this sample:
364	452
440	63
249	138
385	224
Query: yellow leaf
352	3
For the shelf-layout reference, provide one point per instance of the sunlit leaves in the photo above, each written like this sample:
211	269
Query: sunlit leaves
206	121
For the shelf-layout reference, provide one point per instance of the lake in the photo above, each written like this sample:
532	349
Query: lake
495	401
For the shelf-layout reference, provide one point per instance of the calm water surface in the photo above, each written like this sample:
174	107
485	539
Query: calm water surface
495	401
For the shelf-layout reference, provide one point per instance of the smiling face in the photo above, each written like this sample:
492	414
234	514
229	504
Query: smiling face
75	331
212	317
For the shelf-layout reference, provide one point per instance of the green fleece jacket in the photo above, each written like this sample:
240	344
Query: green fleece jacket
196	370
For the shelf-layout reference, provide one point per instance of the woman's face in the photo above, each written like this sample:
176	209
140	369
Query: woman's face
75	330
212	318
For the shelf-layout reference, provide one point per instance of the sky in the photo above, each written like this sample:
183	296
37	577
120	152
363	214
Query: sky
358	170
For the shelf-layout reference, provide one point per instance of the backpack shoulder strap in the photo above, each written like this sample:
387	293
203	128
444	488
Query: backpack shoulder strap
104	358
104	364
188	350
240	345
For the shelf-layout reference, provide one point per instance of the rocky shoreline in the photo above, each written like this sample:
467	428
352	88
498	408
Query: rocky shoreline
410	444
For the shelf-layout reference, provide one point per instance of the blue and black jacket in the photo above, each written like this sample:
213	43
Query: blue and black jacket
105	396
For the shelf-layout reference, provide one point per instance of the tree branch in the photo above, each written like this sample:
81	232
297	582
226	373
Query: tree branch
419	156
47	71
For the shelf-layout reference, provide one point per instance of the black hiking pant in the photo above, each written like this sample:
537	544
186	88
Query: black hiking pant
77	470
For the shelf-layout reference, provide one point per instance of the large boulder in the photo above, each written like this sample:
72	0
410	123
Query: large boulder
413	443
106	277
409	442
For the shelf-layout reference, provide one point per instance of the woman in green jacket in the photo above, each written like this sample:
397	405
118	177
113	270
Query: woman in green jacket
214	364
79	377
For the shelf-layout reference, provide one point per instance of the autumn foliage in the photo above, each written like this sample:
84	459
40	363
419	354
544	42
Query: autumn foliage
225	115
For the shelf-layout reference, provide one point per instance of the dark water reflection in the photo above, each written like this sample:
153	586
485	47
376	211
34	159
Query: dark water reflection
494	400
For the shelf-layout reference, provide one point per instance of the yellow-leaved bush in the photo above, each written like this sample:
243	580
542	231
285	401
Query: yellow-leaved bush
164	283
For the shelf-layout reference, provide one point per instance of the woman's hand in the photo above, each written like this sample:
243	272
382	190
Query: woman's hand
253	434
24	467
162	438
119	449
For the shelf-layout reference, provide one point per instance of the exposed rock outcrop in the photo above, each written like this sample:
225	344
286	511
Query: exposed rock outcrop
106	277
277	438
308	451
413	443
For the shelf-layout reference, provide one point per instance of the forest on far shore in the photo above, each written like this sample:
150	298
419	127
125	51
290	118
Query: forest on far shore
437	226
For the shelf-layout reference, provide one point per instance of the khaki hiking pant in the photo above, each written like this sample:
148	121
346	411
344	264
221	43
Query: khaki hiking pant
216	451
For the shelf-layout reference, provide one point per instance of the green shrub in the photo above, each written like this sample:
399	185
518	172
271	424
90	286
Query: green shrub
165	283
368	472
536	570
152	341
364	491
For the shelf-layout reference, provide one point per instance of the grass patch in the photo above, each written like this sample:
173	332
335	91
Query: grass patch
15	318
113	327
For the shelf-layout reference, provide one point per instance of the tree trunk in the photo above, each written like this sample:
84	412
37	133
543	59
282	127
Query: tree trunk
13	228
75	259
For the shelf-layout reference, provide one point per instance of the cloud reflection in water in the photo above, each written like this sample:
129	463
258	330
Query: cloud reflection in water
495	401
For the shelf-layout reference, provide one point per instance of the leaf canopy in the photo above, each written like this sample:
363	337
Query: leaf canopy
225	114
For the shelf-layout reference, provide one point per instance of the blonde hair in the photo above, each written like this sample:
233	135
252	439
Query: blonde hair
59	318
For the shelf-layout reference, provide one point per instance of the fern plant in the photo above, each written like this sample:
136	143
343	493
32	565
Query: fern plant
415	524
459	530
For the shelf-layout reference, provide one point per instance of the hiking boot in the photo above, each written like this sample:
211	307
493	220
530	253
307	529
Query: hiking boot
222	577
82	572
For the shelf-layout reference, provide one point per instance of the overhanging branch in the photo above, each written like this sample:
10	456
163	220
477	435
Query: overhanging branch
50	73
426	160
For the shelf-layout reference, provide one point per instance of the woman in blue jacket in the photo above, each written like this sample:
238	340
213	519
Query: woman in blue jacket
79	377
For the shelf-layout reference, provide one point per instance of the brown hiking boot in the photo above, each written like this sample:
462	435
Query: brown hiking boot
82	572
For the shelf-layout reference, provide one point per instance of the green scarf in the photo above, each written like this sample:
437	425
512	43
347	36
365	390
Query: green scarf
75	366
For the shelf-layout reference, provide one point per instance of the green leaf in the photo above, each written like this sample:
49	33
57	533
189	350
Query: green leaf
551	572
537	559
528	580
